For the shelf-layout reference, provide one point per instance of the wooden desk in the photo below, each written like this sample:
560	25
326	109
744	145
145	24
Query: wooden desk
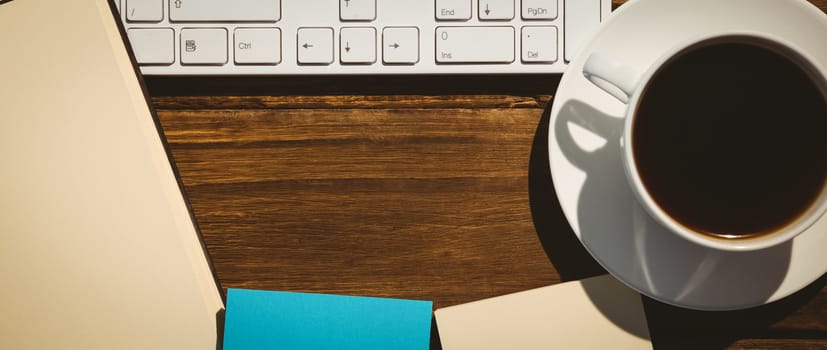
409	187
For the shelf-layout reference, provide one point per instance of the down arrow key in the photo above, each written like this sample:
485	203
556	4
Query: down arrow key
358	46
490	10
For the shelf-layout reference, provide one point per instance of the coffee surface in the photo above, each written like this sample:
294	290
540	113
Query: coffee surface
730	139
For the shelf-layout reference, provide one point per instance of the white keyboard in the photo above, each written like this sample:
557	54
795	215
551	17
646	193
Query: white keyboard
335	37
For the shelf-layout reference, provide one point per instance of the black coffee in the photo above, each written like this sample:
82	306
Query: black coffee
731	139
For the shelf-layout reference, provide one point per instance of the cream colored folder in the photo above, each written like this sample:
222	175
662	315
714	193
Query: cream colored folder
595	313
97	246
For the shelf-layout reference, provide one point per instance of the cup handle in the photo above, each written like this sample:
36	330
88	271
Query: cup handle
613	77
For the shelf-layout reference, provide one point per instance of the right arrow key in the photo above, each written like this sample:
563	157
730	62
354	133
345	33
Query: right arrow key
400	45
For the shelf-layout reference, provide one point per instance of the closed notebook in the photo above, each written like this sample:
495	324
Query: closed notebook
97	246
595	313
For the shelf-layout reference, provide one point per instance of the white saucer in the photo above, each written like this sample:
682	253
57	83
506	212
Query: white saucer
595	196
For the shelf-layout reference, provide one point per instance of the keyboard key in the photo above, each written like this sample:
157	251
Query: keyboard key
400	45
357	10
357	45
144	10
224	10
153	46
257	45
315	46
204	46
475	44
496	9
539	9
582	17
539	44
453	10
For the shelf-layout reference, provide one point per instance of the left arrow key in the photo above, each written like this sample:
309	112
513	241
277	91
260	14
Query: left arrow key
315	46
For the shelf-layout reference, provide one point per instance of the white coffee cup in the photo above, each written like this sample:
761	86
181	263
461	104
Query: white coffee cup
628	82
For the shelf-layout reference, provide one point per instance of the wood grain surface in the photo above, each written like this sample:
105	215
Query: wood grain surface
432	188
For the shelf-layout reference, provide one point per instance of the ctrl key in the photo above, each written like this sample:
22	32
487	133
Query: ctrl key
257	46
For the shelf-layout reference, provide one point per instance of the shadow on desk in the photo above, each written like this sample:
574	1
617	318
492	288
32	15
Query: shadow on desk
565	251
563	248
677	328
354	85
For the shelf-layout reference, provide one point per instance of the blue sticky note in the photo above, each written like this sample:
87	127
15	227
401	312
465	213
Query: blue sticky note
257	319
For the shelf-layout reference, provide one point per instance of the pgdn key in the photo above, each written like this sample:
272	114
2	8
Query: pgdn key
475	44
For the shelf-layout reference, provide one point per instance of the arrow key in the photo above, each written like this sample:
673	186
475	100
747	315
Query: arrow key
400	45
357	45
315	46
357	10
496	10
